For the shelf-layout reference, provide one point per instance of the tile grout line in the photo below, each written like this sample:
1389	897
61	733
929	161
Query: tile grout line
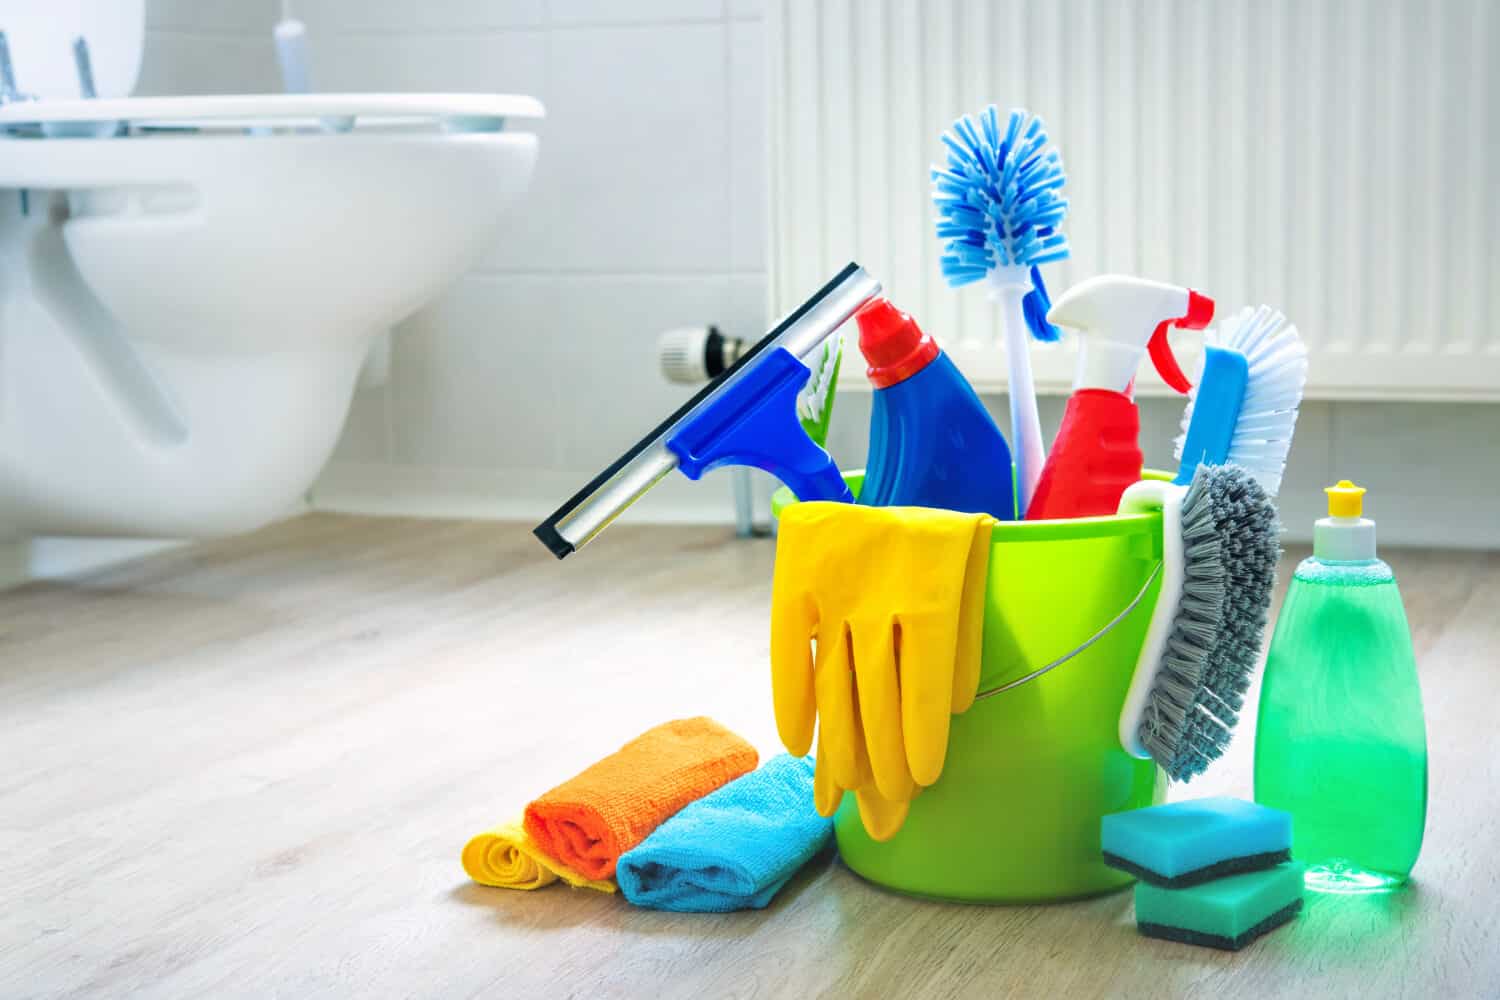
491	272
489	31
730	201
206	35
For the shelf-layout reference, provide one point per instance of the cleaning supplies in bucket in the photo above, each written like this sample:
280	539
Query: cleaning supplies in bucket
1097	452
1000	211
1219	552
751	424
1035	763
1340	740
1243	410
761	417
932	442
894	597
733	849
589	820
815	404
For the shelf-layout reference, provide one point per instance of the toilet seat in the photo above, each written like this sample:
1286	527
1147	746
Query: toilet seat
189	285
240	113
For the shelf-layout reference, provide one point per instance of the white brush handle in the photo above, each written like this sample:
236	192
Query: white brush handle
1143	498
291	55
1009	286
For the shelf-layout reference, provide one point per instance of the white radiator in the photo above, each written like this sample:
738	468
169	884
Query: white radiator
1338	160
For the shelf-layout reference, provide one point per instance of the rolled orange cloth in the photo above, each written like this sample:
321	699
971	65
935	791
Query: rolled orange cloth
588	821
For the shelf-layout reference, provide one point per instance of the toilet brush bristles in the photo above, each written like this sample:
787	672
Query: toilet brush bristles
1000	204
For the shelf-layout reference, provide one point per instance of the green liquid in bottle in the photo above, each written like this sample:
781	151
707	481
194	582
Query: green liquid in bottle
1340	741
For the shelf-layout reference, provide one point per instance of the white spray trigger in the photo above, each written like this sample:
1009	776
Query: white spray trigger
1121	318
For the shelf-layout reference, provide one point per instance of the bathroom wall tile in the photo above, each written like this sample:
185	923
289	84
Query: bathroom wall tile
849	430
1308	468
635	156
747	314
476	376
613	12
748	196
1161	421
1432	469
227	16
366	435
500	62
176	63
606	328
329	17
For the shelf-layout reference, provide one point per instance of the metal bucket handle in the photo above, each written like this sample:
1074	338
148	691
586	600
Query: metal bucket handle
1039	671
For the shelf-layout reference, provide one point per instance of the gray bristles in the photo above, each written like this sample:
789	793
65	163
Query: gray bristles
1231	542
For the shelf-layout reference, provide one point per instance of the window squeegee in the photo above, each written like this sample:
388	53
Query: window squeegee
746	416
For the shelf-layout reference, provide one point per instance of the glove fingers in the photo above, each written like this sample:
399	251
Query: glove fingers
793	621
880	708
839	728
826	793
966	661
925	655
881	816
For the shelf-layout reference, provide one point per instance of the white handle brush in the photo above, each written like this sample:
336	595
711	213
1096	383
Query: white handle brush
999	212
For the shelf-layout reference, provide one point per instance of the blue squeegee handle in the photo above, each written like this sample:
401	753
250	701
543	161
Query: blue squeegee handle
1216	409
755	423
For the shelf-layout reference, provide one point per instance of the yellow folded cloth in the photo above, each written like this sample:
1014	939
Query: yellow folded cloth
893	598
508	858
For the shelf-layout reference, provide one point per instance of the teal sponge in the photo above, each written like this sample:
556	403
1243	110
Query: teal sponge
1187	843
1228	913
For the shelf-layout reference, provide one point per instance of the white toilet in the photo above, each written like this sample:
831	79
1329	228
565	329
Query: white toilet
188	286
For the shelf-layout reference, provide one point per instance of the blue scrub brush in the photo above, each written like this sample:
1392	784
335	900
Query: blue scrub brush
1244	409
999	212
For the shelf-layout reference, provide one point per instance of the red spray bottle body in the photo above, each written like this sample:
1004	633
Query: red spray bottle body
1097	452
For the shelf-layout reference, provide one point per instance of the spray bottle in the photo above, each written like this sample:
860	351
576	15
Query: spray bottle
1097	453
1340	741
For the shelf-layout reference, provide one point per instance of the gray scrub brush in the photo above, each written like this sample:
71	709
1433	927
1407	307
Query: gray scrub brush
1220	546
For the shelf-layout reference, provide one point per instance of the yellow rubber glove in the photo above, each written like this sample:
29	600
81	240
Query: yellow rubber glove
893	598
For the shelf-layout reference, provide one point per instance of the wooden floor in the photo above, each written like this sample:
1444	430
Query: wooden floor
246	769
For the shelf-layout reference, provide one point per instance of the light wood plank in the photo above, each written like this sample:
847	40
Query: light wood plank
246	768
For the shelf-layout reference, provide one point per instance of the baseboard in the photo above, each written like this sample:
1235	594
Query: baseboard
530	495
512	494
13	569
68	558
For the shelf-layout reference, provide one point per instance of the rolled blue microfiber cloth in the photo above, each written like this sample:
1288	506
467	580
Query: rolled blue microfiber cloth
734	848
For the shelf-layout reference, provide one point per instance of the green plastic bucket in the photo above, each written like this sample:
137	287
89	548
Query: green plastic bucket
1032	769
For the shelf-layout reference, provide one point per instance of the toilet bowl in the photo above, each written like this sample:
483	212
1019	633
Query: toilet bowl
188	286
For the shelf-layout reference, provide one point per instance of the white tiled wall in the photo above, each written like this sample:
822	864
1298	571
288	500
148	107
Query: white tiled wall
208	47
647	211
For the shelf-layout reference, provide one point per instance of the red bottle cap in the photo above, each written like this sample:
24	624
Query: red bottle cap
892	343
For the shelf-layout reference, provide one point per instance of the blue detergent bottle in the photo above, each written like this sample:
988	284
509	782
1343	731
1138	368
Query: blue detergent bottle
932	442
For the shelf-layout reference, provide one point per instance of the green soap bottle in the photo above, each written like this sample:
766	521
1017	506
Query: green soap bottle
1340	742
